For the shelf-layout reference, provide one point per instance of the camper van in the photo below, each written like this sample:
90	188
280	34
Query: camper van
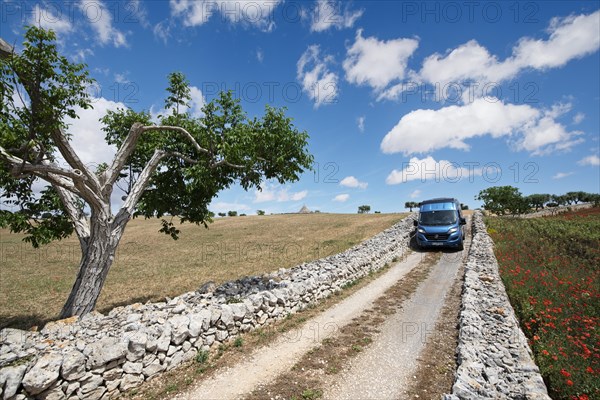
440	224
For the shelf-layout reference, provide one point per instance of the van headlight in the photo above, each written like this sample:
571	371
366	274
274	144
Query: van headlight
421	230
452	230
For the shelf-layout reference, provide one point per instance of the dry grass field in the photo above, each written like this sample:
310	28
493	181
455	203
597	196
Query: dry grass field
34	283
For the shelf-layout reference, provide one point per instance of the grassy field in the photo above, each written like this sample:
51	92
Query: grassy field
34	283
551	269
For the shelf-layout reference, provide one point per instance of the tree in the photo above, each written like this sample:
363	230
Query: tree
173	168
364	209
464	207
222	214
232	213
411	205
503	199
260	212
538	200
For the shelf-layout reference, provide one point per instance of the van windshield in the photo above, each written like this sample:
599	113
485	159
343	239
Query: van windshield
442	217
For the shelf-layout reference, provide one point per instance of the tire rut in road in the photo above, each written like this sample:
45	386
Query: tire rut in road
309	376
385	370
266	364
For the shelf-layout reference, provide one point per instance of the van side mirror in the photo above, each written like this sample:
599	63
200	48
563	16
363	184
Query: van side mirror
415	222
463	221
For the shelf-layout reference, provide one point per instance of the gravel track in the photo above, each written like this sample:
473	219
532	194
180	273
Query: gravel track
266	363
386	367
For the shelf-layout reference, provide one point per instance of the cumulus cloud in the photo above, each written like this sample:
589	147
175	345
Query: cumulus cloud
45	18
376	63
561	175
536	131
277	193
222	206
101	20
415	194
318	82
341	198
590	160
87	136
329	14
352	182
569	38
258	14
429	169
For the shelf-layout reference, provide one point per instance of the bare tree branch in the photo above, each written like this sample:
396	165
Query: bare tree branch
68	153
80	222
22	166
180	130
110	176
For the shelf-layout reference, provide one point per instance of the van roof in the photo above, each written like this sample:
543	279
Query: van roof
439	200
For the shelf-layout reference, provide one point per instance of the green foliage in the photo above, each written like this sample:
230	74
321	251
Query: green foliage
222	214
39	89
260	212
501	200
201	356
364	209
234	147
232	213
538	201
410	205
256	149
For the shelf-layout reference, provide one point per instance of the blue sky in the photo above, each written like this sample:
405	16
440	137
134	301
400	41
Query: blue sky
403	101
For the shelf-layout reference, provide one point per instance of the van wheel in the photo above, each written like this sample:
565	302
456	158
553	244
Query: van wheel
461	246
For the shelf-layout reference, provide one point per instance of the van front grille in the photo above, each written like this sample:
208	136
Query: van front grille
437	236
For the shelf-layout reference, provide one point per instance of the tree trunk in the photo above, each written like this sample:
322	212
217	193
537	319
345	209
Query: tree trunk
98	254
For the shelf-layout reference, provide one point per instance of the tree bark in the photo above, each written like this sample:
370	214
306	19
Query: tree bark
98	255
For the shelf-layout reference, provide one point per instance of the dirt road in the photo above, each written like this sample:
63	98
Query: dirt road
268	362
382	370
386	367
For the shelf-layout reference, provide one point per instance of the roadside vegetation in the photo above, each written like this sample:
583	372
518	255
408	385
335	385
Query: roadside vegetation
551	269
149	265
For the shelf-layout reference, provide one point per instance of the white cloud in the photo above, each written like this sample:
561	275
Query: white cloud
254	13
561	175
578	118
101	20
87	135
415	194
328	14
162	31
277	193
361	123
260	55
222	206
341	198
590	160
377	63
352	182
45	18
318	82
429	169
422	131
569	38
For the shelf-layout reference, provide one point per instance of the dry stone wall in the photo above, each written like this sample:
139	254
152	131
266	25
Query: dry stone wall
100	356
495	361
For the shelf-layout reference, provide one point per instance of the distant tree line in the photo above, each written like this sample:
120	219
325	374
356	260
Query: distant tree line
502	200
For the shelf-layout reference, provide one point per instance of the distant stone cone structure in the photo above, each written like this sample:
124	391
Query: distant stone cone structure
304	210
